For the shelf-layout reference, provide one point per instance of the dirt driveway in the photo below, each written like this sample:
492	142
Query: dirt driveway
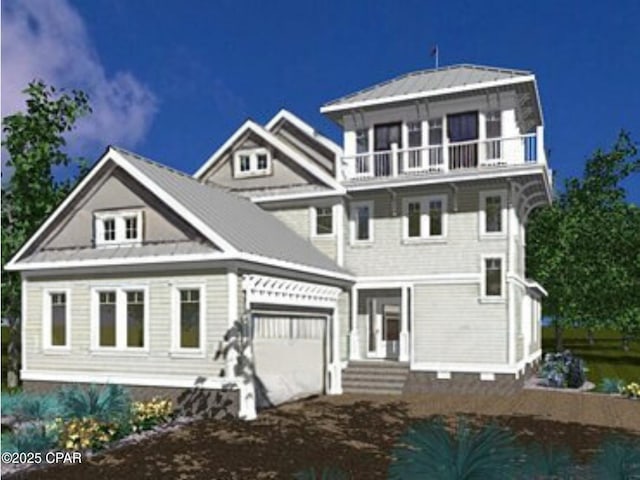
354	433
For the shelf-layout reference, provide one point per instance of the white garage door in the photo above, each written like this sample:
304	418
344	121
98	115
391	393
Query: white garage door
289	355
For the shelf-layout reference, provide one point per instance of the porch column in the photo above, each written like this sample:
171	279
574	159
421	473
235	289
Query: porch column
335	369
354	340
403	354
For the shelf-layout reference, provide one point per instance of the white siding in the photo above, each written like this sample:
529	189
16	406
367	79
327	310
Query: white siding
451	326
158	360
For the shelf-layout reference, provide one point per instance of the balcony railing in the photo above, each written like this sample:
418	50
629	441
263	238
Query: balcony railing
434	159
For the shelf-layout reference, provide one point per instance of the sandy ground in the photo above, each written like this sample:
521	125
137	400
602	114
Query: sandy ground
355	433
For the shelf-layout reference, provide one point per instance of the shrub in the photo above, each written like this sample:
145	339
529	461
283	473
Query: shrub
563	370
146	415
617	459
611	385
548	462
33	407
11	401
109	403
429	450
86	433
327	473
631	391
31	437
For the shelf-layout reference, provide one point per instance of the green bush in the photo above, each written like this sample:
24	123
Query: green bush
111	403
430	450
617	459
548	462
31	437
611	385
11	401
31	407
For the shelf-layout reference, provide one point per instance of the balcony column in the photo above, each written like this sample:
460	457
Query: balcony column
354	340
445	145
394	159
403	354
540	158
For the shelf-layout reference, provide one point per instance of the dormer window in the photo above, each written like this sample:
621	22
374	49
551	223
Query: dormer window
118	227
254	162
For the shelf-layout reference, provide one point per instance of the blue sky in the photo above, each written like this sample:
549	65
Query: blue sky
173	80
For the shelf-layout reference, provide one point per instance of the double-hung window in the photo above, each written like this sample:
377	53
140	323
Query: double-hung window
188	320
322	221
362	222
435	143
425	218
120	318
56	320
118	227
493	214
493	277
493	124
414	133
362	150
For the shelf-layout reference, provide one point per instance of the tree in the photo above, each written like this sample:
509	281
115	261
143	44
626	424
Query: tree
34	141
585	247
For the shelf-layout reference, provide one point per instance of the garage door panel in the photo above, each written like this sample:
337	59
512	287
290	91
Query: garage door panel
289	355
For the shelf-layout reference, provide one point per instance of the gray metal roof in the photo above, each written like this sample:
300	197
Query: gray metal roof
428	81
237	220
123	251
257	193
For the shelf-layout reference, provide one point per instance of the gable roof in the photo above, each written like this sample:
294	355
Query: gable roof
239	228
431	82
287	116
251	126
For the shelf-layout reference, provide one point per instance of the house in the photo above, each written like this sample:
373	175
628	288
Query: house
288	265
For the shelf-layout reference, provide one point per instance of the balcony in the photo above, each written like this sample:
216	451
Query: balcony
448	157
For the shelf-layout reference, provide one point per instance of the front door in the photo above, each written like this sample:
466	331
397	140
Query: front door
384	136
384	330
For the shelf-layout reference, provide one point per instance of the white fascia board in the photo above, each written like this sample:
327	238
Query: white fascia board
272	262
428	94
53	216
296	196
304	127
448	178
448	278
123	261
172	203
269	137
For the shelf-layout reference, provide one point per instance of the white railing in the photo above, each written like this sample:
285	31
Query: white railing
491	152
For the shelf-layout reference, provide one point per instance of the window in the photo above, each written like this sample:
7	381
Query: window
493	277
107	313
188	320
362	141
323	221
493	123
119	319
55	320
435	143
135	318
362	222
253	162
414	130
120	227
492	213
425	218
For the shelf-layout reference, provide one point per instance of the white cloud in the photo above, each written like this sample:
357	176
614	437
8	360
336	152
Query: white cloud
47	39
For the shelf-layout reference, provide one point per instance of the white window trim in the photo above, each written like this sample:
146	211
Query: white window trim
483	279
47	347
313	216
176	350
425	226
121	319
353	223
119	217
253	162
482	216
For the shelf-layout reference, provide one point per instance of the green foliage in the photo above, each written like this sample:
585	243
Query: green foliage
31	437
87	434
563	370
37	407
34	141
610	385
146	415
111	403
11	402
585	248
430	450
548	462
618	459
326	473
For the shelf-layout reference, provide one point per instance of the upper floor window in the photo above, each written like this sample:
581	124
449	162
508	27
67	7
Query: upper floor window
492	213
362	140
253	162
425	218
362	222
56	319
492	277
435	131
414	130
322	221
494	124
118	227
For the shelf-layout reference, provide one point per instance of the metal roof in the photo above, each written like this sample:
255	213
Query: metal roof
425	81
237	220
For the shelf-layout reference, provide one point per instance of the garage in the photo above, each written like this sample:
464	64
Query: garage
290	353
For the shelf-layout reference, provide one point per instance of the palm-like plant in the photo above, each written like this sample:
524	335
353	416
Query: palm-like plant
30	437
33	407
430	450
109	403
618	459
548	462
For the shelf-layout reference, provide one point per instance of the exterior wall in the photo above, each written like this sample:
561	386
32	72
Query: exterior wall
452	326
344	303
284	171
158	361
390	255
119	191
463	383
